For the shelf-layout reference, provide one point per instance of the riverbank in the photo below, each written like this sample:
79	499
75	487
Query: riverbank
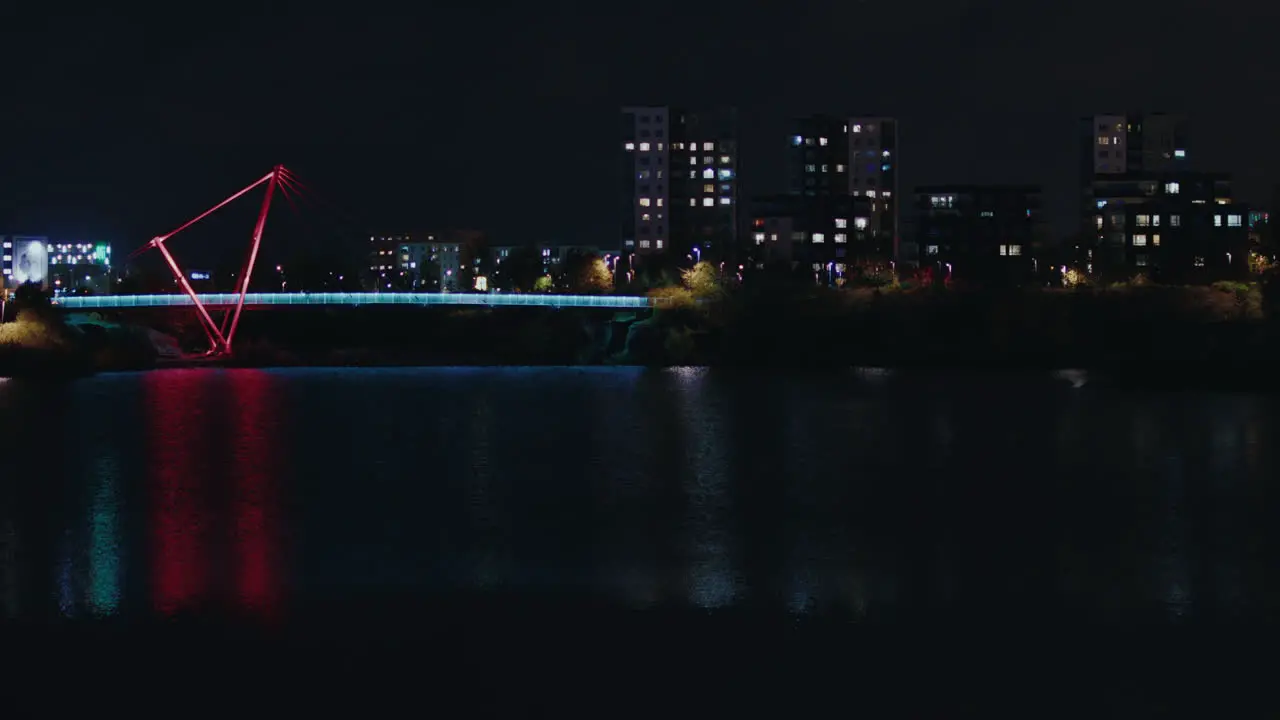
1176	336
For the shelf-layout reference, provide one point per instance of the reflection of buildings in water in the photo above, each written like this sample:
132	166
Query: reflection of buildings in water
625	488
88	574
104	538
254	441
490	565
711	578
1173	564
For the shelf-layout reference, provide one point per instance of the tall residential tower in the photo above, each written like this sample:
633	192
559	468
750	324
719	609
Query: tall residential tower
835	156
679	181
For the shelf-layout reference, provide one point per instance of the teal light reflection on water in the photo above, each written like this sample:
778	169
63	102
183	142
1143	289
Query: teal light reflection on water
104	539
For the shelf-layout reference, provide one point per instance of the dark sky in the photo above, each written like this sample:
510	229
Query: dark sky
503	116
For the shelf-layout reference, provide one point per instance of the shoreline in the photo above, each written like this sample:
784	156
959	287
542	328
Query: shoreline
1222	378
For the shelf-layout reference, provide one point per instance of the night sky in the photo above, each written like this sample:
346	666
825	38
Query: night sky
120	126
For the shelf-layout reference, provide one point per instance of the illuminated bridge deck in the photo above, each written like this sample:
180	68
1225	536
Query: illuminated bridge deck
617	302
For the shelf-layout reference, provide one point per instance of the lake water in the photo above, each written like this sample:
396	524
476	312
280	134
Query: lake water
867	494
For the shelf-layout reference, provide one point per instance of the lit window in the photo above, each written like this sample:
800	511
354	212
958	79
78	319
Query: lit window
1097	219
1139	240
644	243
822	141
708	174
1155	240
759	237
693	161
708	159
659	147
931	250
726	201
1141	259
773	237
871	193
659	202
860	223
841	237
1175	221
942	201
842	222
819	237
725	160
839	168
1004	249
1155	221
693	202
659	244
643	175
824	168
724	174
796	140
1179	153
1172	188
1015	249
644	217
709	188
644	202
644	147
1198	262
1233	221
630	243
857	128
1104	140
810	168
884	154
986	214
1144	220
708	202
708	146
1217	221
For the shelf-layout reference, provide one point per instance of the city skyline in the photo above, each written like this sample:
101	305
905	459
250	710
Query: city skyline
95	155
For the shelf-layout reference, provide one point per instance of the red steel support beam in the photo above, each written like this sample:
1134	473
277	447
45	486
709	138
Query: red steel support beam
253	253
218	342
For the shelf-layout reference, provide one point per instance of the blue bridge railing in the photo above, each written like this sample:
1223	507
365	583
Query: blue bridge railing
88	302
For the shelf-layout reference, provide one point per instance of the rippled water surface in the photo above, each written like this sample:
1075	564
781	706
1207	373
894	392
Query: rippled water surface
867	493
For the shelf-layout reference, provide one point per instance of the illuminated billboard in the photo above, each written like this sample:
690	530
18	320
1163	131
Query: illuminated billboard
29	260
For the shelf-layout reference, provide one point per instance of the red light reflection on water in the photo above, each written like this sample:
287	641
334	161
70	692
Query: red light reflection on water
175	402
253	427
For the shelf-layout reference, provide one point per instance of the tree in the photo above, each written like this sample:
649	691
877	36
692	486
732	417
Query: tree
543	284
703	280
585	274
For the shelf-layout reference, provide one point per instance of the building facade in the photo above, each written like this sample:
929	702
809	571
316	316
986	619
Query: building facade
829	234
425	262
981	234
679	184
80	267
833	156
1176	227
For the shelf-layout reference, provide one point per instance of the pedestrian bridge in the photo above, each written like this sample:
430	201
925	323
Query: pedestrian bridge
616	302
